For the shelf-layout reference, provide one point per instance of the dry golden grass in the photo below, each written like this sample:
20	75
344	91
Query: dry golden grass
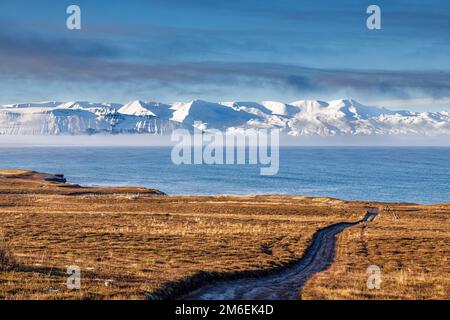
128	244
7	260
132	242
411	246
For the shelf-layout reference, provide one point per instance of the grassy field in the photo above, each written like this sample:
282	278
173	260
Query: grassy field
410	245
133	243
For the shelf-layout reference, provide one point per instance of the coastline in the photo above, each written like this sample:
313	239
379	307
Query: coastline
354	174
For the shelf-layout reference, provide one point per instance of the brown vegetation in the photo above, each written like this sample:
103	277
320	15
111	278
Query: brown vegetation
131	243
410	245
7	261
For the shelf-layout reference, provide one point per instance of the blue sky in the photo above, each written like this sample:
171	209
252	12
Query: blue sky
176	50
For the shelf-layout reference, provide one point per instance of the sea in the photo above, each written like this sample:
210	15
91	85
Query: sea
387	174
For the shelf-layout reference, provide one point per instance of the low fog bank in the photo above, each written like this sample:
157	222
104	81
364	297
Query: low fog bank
123	140
369	141
146	140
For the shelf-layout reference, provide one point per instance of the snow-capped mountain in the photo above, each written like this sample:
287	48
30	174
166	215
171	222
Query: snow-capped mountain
299	118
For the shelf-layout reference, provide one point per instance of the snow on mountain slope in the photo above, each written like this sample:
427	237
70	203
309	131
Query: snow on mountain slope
43	123
136	108
76	118
340	117
89	106
44	104
213	115
279	108
254	108
263	108
309	106
299	118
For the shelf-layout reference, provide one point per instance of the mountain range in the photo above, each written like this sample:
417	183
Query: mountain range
299	118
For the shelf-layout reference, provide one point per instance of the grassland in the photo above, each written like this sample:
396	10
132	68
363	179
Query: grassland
410	245
133	243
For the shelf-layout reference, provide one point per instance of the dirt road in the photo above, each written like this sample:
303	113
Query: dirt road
282	286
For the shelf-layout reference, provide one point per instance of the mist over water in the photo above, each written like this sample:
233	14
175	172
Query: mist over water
393	174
